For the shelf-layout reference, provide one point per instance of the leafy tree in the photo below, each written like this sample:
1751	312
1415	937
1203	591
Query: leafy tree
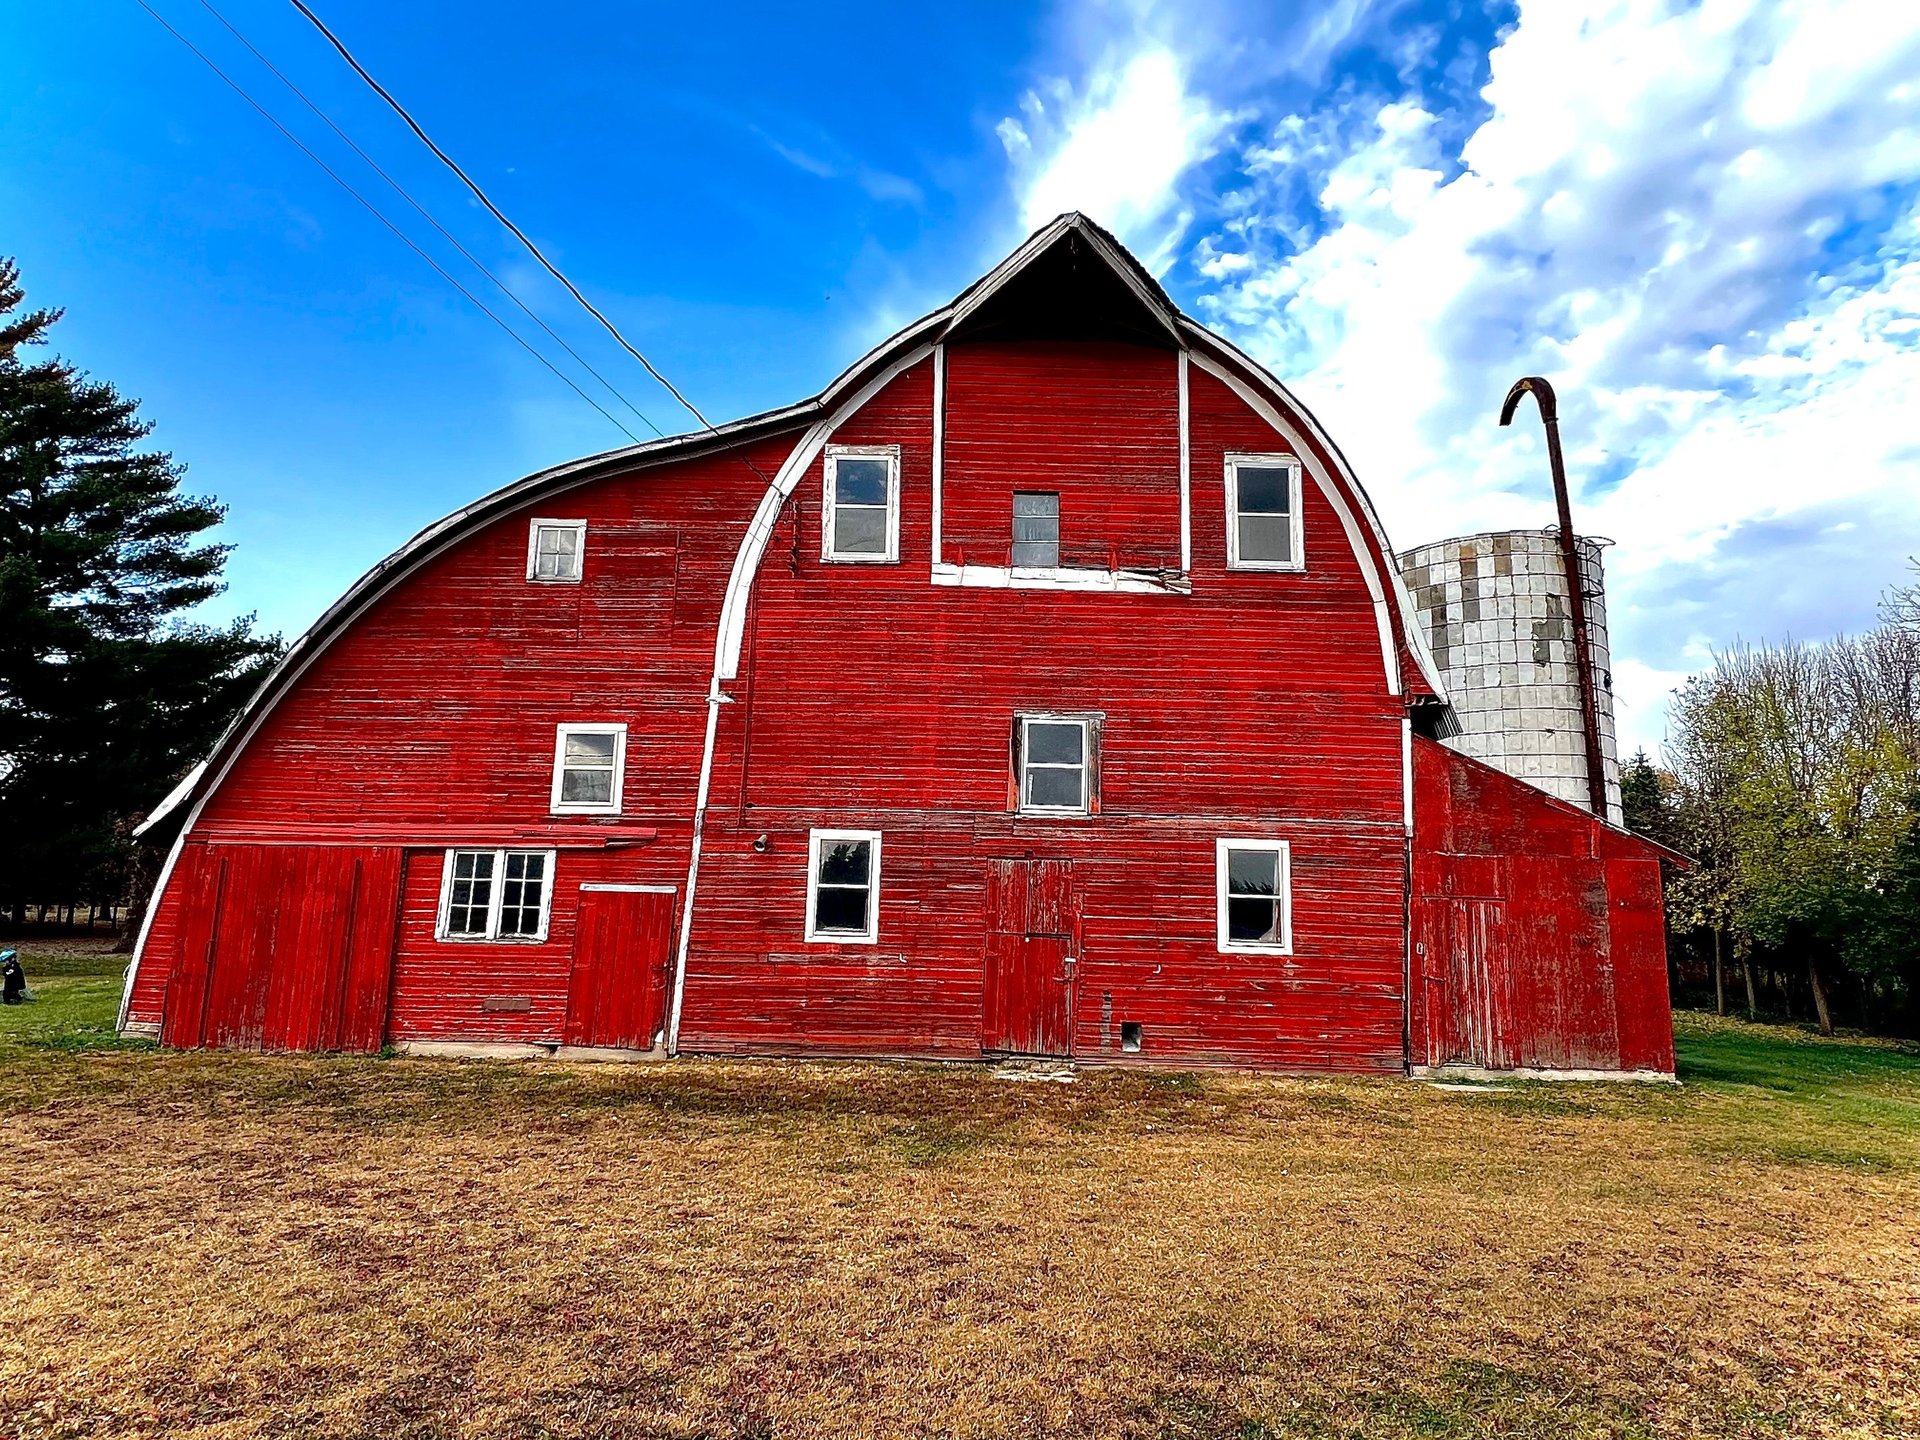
107	694
1798	766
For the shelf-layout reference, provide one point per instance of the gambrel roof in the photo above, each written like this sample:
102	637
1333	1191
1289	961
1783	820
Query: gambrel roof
1070	279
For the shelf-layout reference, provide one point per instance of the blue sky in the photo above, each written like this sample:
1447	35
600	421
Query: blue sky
1698	219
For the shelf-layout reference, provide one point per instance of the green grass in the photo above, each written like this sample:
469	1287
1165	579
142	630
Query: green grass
1784	1093
77	998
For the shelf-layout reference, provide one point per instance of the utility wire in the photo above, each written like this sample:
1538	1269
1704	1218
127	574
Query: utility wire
498	214
426	215
236	87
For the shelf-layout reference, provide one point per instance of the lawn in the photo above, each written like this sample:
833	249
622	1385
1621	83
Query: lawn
221	1245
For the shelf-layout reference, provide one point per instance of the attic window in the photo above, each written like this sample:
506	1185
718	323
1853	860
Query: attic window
1036	529
861	513
555	550
1263	513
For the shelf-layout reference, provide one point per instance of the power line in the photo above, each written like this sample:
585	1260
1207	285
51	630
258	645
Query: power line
371	209
498	214
426	215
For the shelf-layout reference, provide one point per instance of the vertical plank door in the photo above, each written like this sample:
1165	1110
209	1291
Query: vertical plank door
1031	956
622	945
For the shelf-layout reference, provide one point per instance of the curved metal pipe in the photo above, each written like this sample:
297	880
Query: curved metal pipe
1543	396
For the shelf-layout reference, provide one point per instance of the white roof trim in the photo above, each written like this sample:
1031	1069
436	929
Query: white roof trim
174	800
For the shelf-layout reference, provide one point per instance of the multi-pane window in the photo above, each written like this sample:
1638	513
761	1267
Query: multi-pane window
862	509
843	886
1254	885
589	763
1263	512
555	550
1056	763
1036	528
495	894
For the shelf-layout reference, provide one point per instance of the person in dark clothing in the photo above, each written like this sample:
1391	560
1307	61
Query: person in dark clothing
13	980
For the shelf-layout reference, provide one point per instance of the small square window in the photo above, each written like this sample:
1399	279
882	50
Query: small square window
1263	512
495	895
1056	764
843	886
861	513
1253	883
589	769
1036	529
556	551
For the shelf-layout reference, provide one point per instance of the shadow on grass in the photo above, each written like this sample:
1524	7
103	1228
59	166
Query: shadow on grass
1789	1095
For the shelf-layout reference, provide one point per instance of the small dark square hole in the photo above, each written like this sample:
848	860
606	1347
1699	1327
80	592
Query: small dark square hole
1130	1035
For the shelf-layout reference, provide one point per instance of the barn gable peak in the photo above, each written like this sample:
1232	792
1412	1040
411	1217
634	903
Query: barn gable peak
1071	280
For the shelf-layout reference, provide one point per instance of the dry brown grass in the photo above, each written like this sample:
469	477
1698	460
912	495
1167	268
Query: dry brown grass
241	1246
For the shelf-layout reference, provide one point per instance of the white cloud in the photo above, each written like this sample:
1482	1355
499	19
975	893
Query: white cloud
1646	213
1116	149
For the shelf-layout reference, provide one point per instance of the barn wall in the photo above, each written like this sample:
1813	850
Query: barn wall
430	723
1256	705
1561	916
867	697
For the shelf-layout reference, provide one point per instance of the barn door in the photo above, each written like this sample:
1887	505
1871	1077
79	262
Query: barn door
1033	937
1472	1023
284	948
622	943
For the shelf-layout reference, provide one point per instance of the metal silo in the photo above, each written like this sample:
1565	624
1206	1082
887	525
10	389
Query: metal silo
1495	612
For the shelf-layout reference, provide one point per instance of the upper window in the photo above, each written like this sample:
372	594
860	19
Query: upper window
495	895
862	510
1036	529
843	886
589	768
1254	884
1056	764
1263	512
555	550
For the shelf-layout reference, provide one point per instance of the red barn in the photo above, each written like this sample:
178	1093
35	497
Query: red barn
1043	687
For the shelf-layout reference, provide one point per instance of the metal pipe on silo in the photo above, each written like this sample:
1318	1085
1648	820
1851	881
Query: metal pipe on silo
1543	396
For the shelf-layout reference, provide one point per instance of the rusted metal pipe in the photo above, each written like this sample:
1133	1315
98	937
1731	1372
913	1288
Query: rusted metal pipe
1543	396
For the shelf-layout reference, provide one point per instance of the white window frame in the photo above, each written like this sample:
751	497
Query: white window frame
496	896
1283	893
579	528
582	807
1088	767
837	453
816	839
1289	463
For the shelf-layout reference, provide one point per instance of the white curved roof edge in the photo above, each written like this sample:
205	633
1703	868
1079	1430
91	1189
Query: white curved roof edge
428	541
175	797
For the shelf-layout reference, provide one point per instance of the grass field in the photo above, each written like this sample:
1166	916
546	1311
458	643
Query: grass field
220	1245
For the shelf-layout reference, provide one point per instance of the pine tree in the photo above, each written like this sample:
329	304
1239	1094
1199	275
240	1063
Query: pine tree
107	693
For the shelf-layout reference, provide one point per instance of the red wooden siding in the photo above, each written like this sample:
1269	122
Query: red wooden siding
302	912
430	723
869	699
1099	423
1537	931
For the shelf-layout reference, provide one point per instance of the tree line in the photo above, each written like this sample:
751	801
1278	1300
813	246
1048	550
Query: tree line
108	693
1792	780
